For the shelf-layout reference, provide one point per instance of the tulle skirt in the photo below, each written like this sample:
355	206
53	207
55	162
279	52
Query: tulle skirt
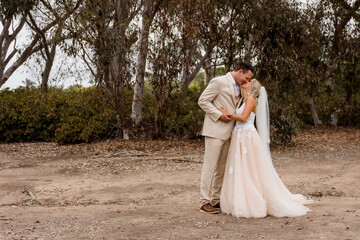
251	186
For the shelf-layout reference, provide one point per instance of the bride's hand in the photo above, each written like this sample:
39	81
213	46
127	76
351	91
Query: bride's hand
225	111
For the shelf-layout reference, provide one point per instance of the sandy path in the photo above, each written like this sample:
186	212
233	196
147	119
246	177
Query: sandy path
122	190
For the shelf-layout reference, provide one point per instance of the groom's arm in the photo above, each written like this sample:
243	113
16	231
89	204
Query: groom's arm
207	97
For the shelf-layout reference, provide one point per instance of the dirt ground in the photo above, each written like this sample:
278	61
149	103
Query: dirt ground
150	190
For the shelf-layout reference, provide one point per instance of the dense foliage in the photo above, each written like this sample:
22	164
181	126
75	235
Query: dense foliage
66	116
151	59
80	114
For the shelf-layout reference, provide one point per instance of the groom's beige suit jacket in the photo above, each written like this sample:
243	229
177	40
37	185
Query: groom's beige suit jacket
221	92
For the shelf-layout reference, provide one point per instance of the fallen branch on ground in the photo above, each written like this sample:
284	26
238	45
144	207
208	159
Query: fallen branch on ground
173	159
28	191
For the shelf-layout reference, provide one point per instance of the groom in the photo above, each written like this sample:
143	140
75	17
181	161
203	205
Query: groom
222	91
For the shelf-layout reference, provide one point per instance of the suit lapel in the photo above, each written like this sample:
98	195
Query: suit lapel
239	103
241	99
232	88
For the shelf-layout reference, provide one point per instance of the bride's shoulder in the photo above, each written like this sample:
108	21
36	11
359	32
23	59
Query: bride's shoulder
250	101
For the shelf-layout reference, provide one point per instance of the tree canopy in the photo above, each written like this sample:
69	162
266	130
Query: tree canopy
306	55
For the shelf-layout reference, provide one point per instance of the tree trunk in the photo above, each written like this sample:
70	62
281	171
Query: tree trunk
248	47
141	65
337	50
230	58
340	110
314	114
207	69
189	77
186	68
119	129
334	118
46	73
335	114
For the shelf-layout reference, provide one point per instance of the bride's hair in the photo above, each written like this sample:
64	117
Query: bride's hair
254	90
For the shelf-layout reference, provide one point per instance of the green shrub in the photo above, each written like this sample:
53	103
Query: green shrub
83	117
351	114
66	116
186	117
25	116
182	117
82	114
283	128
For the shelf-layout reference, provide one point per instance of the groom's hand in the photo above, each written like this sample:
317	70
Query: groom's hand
224	118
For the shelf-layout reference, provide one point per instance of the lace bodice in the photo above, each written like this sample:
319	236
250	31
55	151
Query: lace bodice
248	124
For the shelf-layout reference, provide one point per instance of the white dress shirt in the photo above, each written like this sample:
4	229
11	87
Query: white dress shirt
236	85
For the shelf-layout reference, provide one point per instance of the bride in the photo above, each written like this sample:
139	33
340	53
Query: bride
251	186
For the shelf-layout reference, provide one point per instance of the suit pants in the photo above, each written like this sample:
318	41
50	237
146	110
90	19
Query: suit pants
212	174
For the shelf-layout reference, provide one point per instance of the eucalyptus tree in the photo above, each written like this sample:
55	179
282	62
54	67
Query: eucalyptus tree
104	33
277	33
301	51
198	27
19	13
13	15
51	39
341	14
286	44
164	68
348	81
149	11
237	41
312	53
202	26
328	47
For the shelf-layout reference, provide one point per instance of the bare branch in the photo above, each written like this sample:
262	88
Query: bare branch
31	48
18	28
9	38
10	56
41	33
49	7
62	18
4	34
340	27
351	10
85	55
28	51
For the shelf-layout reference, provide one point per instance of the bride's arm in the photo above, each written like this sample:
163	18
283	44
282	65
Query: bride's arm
249	107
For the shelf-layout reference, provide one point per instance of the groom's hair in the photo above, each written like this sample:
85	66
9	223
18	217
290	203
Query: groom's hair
245	66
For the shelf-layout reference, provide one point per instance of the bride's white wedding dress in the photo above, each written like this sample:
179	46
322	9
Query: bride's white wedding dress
251	186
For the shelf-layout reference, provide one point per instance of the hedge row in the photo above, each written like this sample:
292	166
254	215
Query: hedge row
80	114
65	116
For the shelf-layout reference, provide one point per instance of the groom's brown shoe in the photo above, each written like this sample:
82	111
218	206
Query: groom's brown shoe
207	208
217	206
